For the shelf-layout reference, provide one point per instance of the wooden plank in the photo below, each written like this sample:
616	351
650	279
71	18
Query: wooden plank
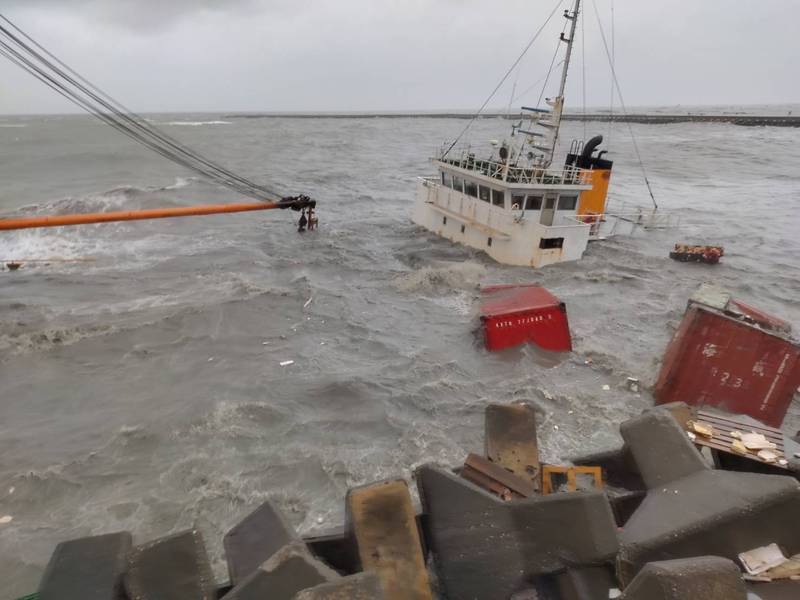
382	521
515	483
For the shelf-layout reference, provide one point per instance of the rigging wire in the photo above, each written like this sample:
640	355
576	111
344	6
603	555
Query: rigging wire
622	106
502	81
550	69
78	90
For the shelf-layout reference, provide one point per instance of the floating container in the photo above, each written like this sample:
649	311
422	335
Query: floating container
732	356
515	314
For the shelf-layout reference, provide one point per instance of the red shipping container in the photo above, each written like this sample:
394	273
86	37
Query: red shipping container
515	314
729	355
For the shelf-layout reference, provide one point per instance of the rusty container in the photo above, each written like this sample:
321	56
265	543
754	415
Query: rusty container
731	356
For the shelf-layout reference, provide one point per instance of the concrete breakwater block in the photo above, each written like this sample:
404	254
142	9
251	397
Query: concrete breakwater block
362	586
485	548
692	510
382	522
701	577
511	440
588	583
335	548
175	567
288	571
254	539
89	568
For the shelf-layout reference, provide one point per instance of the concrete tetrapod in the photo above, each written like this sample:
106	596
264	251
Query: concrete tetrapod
692	510
699	578
89	568
175	567
362	586
485	548
287	572
381	519
254	539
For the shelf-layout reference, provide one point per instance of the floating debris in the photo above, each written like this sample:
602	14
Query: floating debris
516	314
286	363
704	254
5	520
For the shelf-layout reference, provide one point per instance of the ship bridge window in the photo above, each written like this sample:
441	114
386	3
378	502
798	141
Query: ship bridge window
447	181
485	193
498	198
458	184
533	203
470	188
567	202
551	243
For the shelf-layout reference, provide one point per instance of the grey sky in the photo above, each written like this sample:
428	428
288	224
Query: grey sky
312	55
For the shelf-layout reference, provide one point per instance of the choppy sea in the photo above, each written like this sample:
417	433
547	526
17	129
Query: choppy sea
141	388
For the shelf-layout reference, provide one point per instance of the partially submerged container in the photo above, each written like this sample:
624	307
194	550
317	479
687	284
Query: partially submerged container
732	356
515	314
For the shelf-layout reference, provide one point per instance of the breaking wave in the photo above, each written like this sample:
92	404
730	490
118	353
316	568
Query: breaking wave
445	276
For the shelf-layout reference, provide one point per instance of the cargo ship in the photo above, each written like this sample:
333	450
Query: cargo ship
515	205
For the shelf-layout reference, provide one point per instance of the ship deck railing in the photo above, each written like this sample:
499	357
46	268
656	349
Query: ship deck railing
501	171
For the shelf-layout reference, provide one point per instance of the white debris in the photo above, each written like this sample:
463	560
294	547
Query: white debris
6	520
767	456
211	359
606	387
265	343
691	435
757	441
762	559
308	302
11	490
320	520
555	427
633	384
614	593
286	363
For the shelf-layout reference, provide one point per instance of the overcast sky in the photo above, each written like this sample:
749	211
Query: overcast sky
346	55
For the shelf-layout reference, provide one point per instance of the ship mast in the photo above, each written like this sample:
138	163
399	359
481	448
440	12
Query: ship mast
557	103
551	120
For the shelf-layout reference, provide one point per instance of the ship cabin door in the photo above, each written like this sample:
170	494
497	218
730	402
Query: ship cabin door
548	210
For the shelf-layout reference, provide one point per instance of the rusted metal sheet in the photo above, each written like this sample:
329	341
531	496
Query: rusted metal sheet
511	440
719	359
494	478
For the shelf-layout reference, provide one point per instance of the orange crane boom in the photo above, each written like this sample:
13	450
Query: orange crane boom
152	213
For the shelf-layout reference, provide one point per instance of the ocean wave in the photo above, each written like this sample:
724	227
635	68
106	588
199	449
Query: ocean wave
46	339
446	276
197	123
180	182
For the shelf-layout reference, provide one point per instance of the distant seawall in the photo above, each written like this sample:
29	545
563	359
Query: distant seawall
648	119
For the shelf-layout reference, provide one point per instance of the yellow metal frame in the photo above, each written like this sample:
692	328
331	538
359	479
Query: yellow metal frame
572	477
